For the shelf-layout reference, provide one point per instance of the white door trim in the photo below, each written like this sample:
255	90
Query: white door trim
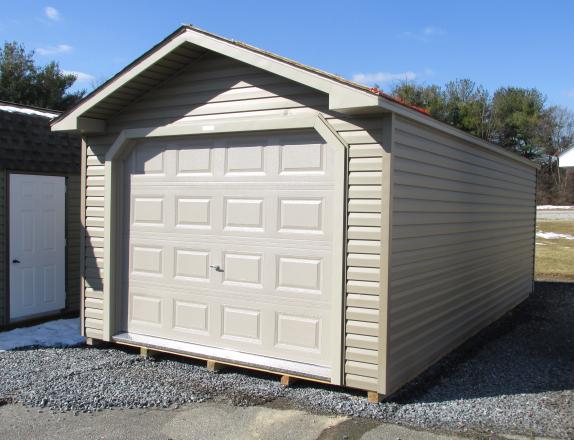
113	202
52	260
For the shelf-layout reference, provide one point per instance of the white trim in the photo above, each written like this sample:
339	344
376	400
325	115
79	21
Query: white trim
226	356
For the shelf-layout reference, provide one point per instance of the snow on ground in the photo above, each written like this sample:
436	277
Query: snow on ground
544	207
27	111
553	235
59	333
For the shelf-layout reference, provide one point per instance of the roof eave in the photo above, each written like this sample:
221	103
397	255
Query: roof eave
342	97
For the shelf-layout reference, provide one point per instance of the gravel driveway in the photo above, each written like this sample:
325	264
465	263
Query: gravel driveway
516	376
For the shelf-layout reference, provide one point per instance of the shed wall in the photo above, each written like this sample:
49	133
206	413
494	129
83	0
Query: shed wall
3	280
462	248
220	88
28	146
73	229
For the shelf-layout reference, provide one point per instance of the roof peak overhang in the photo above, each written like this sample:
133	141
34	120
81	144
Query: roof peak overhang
344	96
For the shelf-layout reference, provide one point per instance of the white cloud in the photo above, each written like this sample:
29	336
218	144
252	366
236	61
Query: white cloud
425	34
383	77
53	50
80	76
570	93
52	13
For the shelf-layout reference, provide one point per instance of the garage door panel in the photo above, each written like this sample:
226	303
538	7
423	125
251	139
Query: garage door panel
146	310
299	333
289	273
194	162
193	212
300	215
302	159
191	317
147	260
263	209
192	264
148	211
245	158
243	269
299	273
243	214
241	324
149	160
297	214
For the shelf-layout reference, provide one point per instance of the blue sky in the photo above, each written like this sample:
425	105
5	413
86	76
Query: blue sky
495	43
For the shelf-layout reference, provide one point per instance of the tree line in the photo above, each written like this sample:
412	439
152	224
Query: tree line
517	119
23	81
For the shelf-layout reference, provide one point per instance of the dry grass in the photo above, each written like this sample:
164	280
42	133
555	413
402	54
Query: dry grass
555	258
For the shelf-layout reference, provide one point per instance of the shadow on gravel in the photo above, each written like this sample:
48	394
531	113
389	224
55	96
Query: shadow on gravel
528	350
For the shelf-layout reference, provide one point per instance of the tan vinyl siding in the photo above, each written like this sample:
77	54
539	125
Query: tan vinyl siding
93	254
462	244
3	214
222	88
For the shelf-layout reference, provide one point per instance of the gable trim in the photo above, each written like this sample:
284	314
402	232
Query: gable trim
342	97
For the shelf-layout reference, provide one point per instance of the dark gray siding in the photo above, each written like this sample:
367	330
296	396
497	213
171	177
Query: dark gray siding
28	146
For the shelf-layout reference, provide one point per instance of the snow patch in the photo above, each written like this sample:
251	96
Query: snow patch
544	207
26	111
59	333
553	235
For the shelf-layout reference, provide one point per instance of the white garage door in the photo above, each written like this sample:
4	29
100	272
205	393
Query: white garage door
236	243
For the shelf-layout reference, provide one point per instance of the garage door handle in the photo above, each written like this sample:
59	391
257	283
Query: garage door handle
15	261
216	267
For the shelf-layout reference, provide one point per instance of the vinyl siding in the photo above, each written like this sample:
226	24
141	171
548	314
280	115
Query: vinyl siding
3	214
462	244
217	87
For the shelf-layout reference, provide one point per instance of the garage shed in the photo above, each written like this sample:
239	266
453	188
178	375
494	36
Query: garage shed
243	208
39	216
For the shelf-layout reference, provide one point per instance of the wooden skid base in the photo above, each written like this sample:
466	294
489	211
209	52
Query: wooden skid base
288	380
374	397
93	342
213	366
148	353
217	365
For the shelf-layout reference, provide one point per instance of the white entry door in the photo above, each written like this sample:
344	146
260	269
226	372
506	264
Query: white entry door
37	244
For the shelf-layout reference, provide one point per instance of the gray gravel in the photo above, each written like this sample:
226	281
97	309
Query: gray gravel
517	376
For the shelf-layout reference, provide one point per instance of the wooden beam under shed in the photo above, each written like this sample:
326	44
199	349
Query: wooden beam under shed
287	380
147	353
213	366
374	397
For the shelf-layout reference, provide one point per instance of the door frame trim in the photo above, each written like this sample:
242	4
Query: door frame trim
8	321
113	171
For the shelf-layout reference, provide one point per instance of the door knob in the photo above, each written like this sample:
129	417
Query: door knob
216	267
15	261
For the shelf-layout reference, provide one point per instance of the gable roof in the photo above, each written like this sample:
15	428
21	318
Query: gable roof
189	43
